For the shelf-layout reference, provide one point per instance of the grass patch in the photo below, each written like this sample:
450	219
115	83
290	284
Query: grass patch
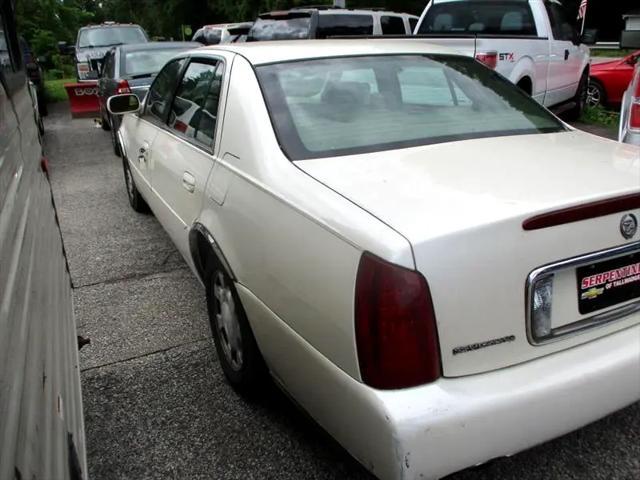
55	91
600	116
611	53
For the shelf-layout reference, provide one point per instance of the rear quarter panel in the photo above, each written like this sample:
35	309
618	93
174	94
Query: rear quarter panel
289	240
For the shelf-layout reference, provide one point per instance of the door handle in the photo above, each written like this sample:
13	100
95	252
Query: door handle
142	153
188	182
566	54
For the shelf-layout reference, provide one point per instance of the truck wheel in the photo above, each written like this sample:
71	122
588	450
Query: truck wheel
580	99
104	123
115	143
238	352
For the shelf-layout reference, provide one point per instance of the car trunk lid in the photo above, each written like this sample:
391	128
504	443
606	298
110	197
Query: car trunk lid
462	205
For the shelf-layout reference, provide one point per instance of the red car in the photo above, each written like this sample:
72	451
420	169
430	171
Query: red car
609	80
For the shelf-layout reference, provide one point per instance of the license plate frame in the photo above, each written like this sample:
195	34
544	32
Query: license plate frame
608	282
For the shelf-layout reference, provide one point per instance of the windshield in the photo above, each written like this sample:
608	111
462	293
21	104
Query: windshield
341	106
490	17
104	37
147	61
284	28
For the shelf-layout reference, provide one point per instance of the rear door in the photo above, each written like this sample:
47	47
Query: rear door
140	131
184	150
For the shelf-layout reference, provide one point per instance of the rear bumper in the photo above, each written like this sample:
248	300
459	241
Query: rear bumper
431	431
457	423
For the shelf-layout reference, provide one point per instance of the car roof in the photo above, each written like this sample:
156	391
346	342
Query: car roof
110	25
226	25
258	53
131	47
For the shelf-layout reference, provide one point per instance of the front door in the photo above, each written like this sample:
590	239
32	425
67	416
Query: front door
183	152
141	130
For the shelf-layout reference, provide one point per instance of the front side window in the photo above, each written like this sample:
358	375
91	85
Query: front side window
158	99
502	17
561	23
352	105
413	22
107	36
392	25
332	25
195	107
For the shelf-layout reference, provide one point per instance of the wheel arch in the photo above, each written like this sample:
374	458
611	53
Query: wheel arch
203	245
526	84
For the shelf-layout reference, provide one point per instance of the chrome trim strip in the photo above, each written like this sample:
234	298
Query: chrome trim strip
585	324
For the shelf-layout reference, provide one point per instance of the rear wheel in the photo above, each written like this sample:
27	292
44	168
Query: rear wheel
135	199
238	352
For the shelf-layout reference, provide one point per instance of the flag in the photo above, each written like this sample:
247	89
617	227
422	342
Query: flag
582	9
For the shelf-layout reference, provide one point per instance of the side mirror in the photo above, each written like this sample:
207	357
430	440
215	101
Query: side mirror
589	37
121	104
630	39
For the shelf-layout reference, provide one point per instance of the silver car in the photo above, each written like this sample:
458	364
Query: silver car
629	130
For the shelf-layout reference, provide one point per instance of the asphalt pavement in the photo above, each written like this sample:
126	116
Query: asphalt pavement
155	401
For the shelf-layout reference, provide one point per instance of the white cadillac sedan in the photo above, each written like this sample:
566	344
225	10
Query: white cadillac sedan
438	270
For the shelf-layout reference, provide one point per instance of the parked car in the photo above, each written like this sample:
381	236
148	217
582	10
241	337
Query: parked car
131	69
609	80
222	33
42	428
94	41
629	129
328	21
35	74
534	43
431	264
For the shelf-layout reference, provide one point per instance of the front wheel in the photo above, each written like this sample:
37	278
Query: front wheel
595	94
580	99
238	352
135	199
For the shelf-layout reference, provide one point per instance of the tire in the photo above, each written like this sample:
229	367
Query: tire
238	352
135	199
115	142
104	122
596	94
580	99
42	104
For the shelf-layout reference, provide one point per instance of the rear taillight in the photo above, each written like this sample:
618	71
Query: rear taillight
396	333
123	87
490	59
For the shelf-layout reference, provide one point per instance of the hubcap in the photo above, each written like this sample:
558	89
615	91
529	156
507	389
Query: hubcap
227	324
593	96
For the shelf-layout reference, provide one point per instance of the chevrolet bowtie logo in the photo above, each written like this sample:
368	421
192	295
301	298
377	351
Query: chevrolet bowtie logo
592	293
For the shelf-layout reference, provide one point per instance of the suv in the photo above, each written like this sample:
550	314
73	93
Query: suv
222	33
324	22
94	41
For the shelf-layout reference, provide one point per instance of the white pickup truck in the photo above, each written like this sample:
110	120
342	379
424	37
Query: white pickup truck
534	43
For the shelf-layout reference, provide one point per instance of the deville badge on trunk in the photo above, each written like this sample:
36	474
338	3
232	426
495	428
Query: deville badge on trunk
603	284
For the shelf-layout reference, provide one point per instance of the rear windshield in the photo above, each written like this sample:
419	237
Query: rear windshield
107	36
281	28
147	62
341	106
506	17
346	24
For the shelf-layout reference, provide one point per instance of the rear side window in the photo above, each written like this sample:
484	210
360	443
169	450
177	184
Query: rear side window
195	107
506	17
392	25
285	27
5	55
161	91
340	25
561	22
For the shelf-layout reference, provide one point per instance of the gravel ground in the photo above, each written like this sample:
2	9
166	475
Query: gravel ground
156	404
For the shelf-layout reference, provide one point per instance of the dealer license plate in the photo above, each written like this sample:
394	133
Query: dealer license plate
608	283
